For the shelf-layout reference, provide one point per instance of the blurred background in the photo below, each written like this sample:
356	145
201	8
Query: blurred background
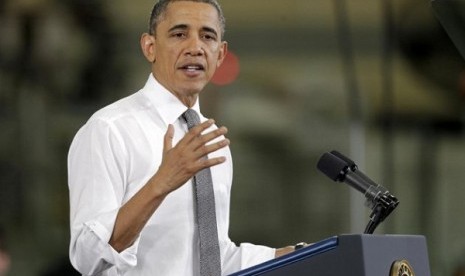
379	81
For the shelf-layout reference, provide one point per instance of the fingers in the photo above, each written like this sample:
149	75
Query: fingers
197	130
206	149
190	155
198	144
202	145
207	163
195	138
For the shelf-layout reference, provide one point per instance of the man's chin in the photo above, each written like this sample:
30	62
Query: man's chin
192	88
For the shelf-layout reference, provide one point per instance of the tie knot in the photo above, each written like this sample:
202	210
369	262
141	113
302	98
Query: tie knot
191	117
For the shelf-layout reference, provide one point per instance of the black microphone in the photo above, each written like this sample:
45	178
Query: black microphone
342	169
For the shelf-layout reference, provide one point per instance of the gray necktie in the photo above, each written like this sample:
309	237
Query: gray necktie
210	260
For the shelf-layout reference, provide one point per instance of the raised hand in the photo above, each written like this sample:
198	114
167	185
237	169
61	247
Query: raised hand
189	156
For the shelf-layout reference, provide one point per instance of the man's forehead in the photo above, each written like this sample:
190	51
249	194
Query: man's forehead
198	10
188	13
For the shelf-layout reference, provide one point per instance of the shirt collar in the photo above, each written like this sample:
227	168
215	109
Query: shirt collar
168	106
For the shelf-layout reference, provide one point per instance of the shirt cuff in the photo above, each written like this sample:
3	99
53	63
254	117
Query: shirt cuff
256	254
123	260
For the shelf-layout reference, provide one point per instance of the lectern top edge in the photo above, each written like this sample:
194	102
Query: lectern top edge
296	256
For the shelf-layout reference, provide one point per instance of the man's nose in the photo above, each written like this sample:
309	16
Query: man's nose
194	48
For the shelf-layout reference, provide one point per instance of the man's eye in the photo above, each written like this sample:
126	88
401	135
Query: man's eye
209	37
180	35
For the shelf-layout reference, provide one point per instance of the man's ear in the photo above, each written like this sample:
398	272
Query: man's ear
147	43
222	53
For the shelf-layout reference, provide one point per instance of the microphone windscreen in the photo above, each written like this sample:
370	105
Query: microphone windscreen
349	161
333	166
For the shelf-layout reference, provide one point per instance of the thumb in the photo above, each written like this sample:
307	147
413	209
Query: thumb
168	140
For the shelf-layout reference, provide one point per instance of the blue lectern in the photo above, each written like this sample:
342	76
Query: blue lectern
352	255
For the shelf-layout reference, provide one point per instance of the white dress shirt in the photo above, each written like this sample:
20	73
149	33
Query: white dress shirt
111	157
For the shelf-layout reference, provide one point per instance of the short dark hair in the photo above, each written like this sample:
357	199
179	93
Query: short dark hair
160	8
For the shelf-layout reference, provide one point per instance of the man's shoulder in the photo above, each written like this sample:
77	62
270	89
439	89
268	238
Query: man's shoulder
120	109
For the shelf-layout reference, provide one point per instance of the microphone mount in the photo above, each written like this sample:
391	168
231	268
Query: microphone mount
383	206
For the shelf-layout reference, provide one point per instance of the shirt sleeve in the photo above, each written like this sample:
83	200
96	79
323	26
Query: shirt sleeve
96	177
244	256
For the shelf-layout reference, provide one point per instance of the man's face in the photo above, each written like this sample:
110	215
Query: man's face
187	47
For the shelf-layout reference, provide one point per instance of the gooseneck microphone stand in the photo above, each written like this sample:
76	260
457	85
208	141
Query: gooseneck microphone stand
384	205
342	169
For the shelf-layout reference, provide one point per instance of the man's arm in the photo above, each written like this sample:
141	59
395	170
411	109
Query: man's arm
178	165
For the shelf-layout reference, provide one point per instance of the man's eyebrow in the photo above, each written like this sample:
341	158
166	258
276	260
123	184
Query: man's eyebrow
185	27
210	30
178	27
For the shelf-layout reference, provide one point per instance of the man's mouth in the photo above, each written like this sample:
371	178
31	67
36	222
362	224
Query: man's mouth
193	67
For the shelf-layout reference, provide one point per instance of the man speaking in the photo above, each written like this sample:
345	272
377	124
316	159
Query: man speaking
149	175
